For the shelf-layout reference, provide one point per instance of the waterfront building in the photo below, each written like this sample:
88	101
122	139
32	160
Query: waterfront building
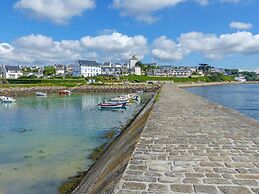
107	64
240	79
133	61
181	72
60	69
69	69
133	67
86	68
111	71
11	72
168	71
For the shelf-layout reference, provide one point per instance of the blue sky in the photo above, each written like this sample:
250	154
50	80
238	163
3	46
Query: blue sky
223	33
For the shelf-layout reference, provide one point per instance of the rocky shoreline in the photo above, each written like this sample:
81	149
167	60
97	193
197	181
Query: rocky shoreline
20	91
194	84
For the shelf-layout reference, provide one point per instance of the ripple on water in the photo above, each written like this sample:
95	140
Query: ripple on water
47	140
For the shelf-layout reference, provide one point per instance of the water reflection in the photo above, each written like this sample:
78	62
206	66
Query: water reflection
46	140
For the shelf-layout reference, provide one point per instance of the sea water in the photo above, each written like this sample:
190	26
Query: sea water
43	141
241	97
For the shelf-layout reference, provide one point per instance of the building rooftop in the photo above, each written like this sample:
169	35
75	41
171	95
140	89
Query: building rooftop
88	63
12	68
134	57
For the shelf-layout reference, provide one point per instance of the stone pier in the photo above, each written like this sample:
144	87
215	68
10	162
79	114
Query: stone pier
190	145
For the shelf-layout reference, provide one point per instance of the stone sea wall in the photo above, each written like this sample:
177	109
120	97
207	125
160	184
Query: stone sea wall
20	91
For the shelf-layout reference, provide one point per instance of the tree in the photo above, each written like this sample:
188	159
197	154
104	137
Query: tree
205	68
49	70
250	76
217	77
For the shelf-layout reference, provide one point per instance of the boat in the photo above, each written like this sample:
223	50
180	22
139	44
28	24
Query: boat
111	105
41	94
1	97
64	92
125	98
5	99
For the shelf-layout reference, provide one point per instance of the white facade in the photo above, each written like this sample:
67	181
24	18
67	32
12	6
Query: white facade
86	68
181	73
13	72
240	79
132	62
90	71
137	70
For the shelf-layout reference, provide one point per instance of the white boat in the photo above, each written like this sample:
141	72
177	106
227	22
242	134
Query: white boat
41	94
112	105
125	98
1	97
5	99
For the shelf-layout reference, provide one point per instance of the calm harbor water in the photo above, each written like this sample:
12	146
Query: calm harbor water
43	141
241	97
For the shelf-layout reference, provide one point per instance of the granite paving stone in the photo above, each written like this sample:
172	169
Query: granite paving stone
190	145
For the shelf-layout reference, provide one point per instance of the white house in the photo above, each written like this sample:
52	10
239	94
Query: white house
136	70
86	68
133	61
60	69
111	71
240	79
12	72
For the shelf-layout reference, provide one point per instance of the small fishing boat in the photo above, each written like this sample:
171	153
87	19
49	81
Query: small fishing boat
1	97
5	99
41	94
125	98
111	105
64	92
120	99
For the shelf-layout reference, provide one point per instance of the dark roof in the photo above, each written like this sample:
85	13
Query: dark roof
134	57
12	68
106	63
88	63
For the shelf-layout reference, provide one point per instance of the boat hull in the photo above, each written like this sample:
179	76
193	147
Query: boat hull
112	105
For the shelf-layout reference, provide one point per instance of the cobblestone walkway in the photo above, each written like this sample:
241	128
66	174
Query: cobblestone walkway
192	146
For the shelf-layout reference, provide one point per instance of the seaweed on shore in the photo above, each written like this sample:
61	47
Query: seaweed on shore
68	186
110	134
97	152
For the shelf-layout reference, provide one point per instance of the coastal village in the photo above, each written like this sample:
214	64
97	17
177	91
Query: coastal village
88	69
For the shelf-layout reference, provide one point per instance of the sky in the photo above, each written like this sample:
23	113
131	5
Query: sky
223	33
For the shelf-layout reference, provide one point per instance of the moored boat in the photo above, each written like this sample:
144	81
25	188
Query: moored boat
5	99
111	105
41	94
125	98
64	92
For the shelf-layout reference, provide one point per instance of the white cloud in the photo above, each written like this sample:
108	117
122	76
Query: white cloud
144	10
165	49
209	45
40	49
58	11
240	25
121	46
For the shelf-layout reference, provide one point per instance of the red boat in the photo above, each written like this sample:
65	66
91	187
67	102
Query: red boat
64	92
